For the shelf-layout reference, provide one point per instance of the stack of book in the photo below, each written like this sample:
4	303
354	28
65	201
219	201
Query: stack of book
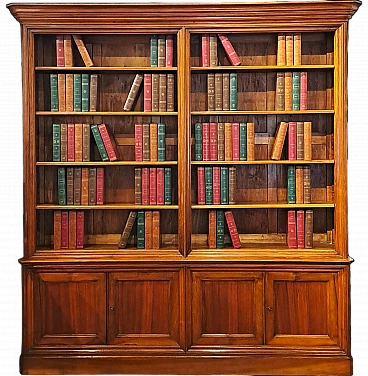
150	142
158	92
222	91
289	49
68	229
64	50
162	50
298	185
300	229
291	91
216	230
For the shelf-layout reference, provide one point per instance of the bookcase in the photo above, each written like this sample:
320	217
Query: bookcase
185	306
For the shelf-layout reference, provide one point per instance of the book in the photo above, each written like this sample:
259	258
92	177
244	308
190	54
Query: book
84	186
63	142
299	140
308	229
306	184
108	141
153	51
221	141
170	103
71	143
155	91
216	186
147	93
292	141
213	142
77	92
161	142
232	185
201	192
229	49
279	140
280	91
153	186
127	231
235	141
140	230
60	59
211	104
69	92
205	50
72	229
220	229
168	199
297	37
68	52
161	50
288	91
213	51
250	142
64	230
57	229
228	142
61	186
93	92
307	141
206	141
198	141
281	49
69	186
208	185
153	142
233	91
211	229
296	91
289	48
77	185
243	141
133	92
291	194
56	142
291	226
156	235
61	92
218	91
169	50
138	142
83	50
148	229
145	186
224	185
303	90
299	185
226	91
100	145
300	228
162	104
92	186
80	229
233	231
100	185
138	186
160	190
86	142
54	92
78	139
146	142
85	92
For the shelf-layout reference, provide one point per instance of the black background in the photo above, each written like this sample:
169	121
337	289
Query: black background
357	84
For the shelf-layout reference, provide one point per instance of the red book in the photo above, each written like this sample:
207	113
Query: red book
216	186
233	231
60	59
100	186
206	141
138	132
169	50
71	143
235	141
145	186
64	230
291	235
160	186
213	142
108	141
300	228
303	90
229	49
201	187
292	141
147	86
80	229
153	186
205	50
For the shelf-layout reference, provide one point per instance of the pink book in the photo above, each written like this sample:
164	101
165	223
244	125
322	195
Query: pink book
206	141
80	230
60	59
205	50
233	231
300	228
108	141
213	142
153	186
160	186
292	141
147	90
216	186
229	49
291	235
145	186
201	188
100	186
71	143
235	141
169	50
303	90
138	134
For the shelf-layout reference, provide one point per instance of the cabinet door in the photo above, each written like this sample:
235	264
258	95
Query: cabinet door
146	309
226	308
70	308
301	309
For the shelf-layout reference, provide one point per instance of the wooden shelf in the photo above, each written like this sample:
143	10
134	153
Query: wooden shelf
218	113
102	113
262	67
116	163
261	162
113	69
266	206
106	207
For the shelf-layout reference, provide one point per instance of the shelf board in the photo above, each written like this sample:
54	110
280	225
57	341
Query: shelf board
106	207
223	113
266	161
262	67
116	163
106	113
92	69
267	205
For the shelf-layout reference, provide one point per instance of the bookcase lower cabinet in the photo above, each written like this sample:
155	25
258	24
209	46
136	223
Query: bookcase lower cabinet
283	317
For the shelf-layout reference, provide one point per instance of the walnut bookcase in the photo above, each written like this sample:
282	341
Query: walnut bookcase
185	308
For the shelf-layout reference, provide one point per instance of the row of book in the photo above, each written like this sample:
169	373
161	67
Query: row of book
289	49
150	144
64	50
291	91
152	186
298	185
71	142
299	140
73	92
216	229
300	229
216	185
222	91
162	50
224	141
68	229
209	50
81	186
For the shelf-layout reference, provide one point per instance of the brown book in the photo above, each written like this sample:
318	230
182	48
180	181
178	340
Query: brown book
133	92
146	142
84	186
69	186
155	91
148	229
170	93
213	50
226	91
127	231
162	93
281	49
61	92
69	92
307	141
138	185
221	141
289	38
68	51
161	51
212	229
93	92
330	146
299	184
153	142
232	185
306	185
250	142
279	140
297	49
156	230
309	229
57	229
77	185
83	50
218	91
228	142
78	129
211	92
288	91
72	229
86	142
92	186
299	140
63	142
280	91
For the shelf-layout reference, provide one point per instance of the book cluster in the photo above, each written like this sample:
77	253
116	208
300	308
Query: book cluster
224	141
300	229
298	185
216	229
222	91
289	49
64	50
150	142
68	229
80	186
161	50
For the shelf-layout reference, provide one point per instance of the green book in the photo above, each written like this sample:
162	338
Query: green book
56	142
77	94
61	186
220	229
54	92
99	142
161	143
85	92
296	91
224	185
167	186
243	141
198	141
140	230
291	194
208	185
233	91
154	51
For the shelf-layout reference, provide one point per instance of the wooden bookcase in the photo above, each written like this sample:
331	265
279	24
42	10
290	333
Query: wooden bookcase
185	308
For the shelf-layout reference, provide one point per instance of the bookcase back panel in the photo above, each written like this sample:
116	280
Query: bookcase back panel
317	48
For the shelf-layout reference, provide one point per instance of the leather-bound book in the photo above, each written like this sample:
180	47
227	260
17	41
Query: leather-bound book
54	95
83	50
232	185
300	228
61	186
235	136
211	229
213	142
170	105
61	92
70	186
156	234
216	186
169	50
297	48
133	92
299	185
138	142
220	229
309	229
146	142
64	230
57	229
224	185
140	230
303	90
77	185
205	50
80	229
243	141
226	91
201	192
153	51
147	92
161	142
72	229
233	91
148	229
109	142
60	59
206	141
296	91
221	141
86	142
56	142
145	186
281	49
78	132
160	186
100	185
162	93
168	198
292	141
71	143
85	92
289	38
280	91
84	185
92	179
99	143
161	50
213	50
306	184
155	91
153	142
299	140
69	92
77	92
279	140
229	49
68	51
218	91
233	231
291	185
250	142
198	141
211	104
228	142
288	91
127	231
307	141
93	92
208	185
291	234
138	186
153	186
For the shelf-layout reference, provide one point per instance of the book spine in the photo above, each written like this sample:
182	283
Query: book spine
160	186
169	50
68	52
145	186
213	142
100	186
138	186
77	185
201	186
71	143
84	185
100	145
61	92
92	186
229	49
224	185
307	141
226	91
86	142
56	142
161	142
291	234
299	140
148	228
153	142
69	92
299	185
138	142
93	92
54	92
162	104
211	229
57	229
69	186
300	228
306	184
77	92
83	50
61	186
72	229
211	104
296	91
146	142
233	91
297	48
216	186
60	60
127	231
206	141
205	50
243	141
133	92
228	142
218	91
235	141
208	184
198	141
213	51
250	142
281	49
170	105
280	91
292	141
221	141
288	91
309	229
108	141
161	51
80	229
303	90
64	230
147	86
155	91
140	230
232	185
168	199
289	49
220	229
233	231
291	194
154	51
85	92
156	235
78	130
63	142
153	186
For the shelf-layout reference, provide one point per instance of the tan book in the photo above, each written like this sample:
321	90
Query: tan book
63	142
299	140
86	142
226	91
250	142
61	92
281	49
69	92
148	229
161	51
279	140
280	91
307	141
162	93
211	92
78	129
84	186
228	142
232	185
299	185
218	91
133	92
138	186
153	142
289	37
127	231
57	229
308	229
93	92
146	142
212	229
83	50
156	235
72	229
306	185
77	185
221	141
68	51
330	146
213	50
297	49
155	91
170	106
288	91
92	179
